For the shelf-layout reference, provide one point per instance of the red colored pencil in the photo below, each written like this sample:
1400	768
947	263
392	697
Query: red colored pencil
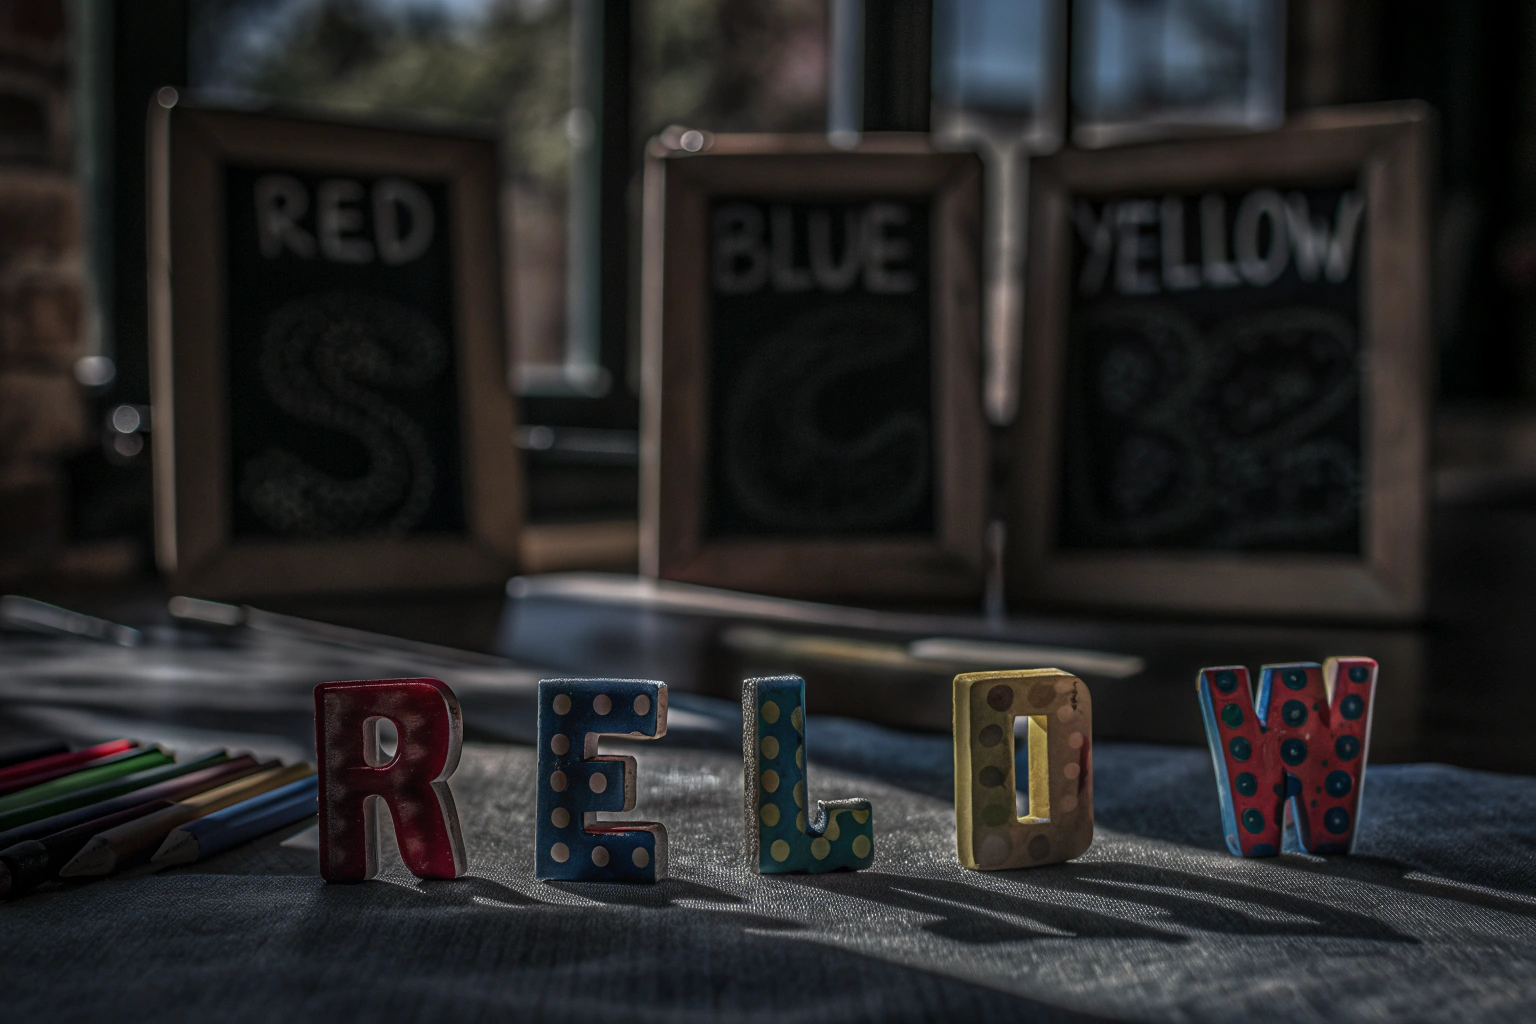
44	769
34	751
37	764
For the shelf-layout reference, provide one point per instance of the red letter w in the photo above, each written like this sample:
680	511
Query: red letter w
1310	750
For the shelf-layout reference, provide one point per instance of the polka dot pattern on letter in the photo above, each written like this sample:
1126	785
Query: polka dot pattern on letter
1289	753
572	714
787	834
1051	768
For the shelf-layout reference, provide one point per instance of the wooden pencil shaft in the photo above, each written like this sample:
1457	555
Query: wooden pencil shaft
85	779
170	789
23	775
110	849
254	806
66	844
285	812
69	801
9	776
57	753
253	821
25	782
243	789
35	861
217	832
11	756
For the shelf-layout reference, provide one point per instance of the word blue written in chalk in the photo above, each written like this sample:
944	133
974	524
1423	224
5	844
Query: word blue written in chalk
780	838
575	782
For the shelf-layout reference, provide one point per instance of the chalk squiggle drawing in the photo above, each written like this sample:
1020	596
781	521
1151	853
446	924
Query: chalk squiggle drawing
321	359
783	468
1224	436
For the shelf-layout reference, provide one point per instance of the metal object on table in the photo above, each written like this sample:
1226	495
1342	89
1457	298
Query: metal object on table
25	613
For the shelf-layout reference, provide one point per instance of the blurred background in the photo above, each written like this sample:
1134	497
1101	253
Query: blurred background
572	90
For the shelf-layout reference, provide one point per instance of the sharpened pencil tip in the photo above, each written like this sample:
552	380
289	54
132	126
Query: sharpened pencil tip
97	858
179	848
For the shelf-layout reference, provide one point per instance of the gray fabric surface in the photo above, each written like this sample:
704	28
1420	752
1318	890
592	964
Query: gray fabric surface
1434	919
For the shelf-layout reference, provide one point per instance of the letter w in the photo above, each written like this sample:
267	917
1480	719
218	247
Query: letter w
1310	750
1315	249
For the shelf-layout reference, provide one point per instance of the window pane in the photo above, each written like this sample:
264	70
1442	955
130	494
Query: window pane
731	65
501	65
996	56
1143	66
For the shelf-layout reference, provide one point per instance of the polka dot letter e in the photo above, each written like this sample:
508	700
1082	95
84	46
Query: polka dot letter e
354	779
1059	713
782	834
1303	740
575	782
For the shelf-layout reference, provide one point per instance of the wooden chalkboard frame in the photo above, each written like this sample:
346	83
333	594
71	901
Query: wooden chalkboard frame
675	357
189	148
1386	147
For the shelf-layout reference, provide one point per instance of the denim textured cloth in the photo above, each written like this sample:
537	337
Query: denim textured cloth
1433	919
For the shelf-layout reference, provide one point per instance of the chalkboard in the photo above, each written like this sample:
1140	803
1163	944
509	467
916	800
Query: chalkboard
331	402
821	381
811	345
342	397
1224	401
1213	391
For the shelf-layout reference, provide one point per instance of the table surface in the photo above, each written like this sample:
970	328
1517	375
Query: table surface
1433	918
1453	688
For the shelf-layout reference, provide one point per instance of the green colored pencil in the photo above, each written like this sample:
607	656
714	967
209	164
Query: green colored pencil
105	790
84	779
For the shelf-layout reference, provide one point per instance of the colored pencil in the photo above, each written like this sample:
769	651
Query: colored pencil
217	832
32	751
32	766
109	850
171	789
27	775
115	787
116	767
26	865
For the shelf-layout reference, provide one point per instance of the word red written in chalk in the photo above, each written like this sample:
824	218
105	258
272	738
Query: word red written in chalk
413	784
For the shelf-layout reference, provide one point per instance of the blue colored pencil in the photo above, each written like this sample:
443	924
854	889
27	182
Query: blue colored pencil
216	832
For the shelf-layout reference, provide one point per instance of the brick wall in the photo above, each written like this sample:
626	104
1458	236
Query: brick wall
42	318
